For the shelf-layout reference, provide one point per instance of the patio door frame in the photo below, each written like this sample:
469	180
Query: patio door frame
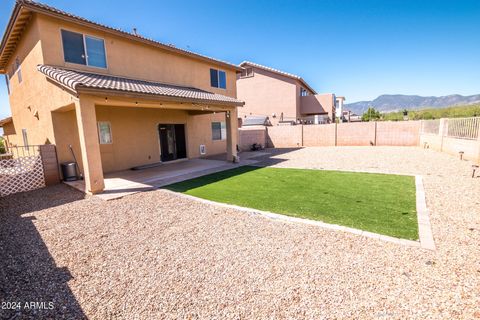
176	130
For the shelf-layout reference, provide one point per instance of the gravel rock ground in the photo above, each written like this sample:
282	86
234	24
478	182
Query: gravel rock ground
155	255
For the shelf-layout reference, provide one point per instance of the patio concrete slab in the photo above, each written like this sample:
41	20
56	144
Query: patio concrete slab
122	183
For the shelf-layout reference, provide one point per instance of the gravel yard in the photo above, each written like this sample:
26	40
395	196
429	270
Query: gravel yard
156	255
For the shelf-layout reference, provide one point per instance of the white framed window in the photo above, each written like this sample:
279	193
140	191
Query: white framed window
105	132
303	92
247	72
17	68
219	131
83	49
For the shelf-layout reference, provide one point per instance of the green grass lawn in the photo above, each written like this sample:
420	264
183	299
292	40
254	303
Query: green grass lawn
380	203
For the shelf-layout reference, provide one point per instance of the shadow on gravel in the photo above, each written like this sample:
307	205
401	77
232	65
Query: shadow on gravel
31	285
186	185
269	160
263	161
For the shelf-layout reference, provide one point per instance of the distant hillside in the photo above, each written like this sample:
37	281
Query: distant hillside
397	102
425	114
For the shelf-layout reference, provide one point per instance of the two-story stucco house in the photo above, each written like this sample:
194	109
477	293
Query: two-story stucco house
121	100
281	96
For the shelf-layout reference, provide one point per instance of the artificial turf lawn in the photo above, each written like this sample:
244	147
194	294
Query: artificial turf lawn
380	203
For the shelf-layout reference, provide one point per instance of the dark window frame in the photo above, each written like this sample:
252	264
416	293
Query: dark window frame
84	58
216	79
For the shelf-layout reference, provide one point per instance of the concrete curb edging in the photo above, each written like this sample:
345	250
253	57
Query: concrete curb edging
424	229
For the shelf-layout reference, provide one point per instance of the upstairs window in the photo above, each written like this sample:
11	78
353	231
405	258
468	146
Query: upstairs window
303	92
83	49
247	72
18	70
218	79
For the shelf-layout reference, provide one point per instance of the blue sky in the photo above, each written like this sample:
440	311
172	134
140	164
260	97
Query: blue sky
359	49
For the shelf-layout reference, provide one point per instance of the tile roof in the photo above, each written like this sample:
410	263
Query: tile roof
283	73
43	8
77	80
5	121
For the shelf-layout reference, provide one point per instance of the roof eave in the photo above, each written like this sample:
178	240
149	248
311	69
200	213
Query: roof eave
285	74
81	89
5	121
8	30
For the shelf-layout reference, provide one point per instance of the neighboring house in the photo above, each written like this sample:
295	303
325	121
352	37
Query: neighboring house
8	129
121	100
255	121
349	116
283	97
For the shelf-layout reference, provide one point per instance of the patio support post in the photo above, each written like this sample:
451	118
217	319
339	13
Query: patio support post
231	120
89	145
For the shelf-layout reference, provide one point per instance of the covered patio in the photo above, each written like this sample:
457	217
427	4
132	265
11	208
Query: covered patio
122	183
115	124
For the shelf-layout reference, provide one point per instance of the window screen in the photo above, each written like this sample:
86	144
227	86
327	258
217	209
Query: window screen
214	78
218	79
219	131
95	52
216	131
222	80
73	47
105	133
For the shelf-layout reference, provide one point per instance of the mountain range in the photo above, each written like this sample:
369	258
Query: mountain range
397	102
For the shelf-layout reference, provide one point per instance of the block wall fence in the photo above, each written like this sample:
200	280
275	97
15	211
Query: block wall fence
343	134
459	137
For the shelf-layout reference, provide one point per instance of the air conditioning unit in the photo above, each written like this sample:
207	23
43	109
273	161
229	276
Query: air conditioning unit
203	149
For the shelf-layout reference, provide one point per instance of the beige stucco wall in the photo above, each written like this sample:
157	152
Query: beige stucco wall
318	104
66	133
57	122
267	93
135	135
34	94
134	59
136	140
